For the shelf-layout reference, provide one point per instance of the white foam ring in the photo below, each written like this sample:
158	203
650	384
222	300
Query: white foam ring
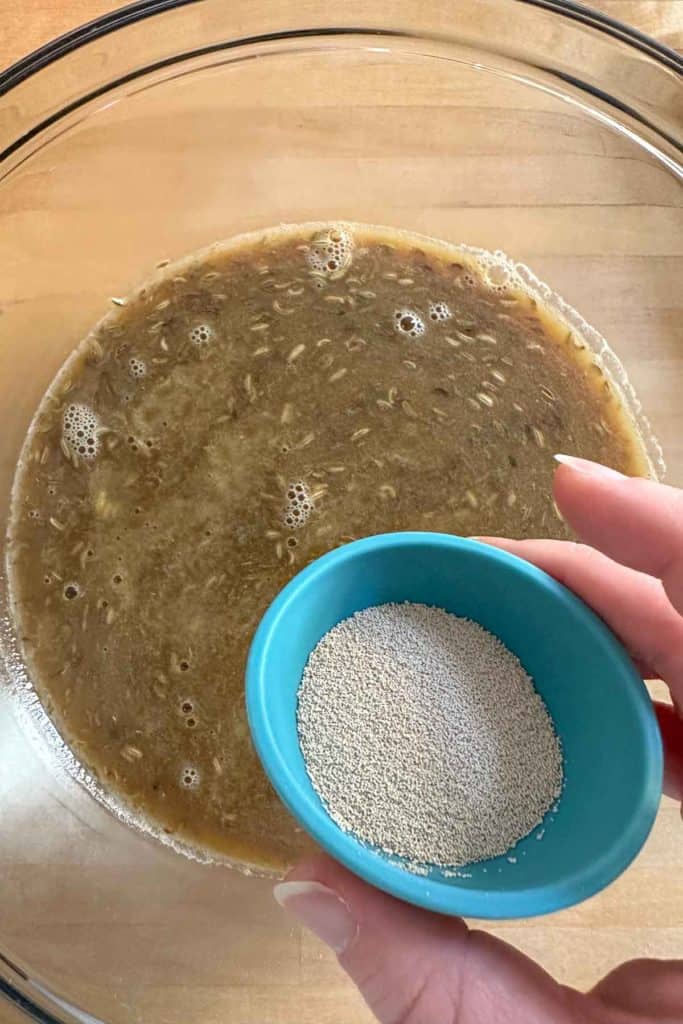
330	252
80	430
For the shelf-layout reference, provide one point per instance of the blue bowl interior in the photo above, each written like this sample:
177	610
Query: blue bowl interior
601	710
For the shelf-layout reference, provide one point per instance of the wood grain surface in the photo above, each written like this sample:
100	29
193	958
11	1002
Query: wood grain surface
24	26
642	913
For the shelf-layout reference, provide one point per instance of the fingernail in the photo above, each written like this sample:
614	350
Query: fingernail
587	467
321	910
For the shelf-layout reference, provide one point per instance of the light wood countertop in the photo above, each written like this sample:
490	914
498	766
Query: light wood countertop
26	26
641	914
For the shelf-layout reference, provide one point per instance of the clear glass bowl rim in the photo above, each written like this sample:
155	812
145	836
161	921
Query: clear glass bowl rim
137	11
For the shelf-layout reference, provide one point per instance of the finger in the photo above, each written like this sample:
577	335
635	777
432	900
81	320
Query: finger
671	728
414	967
387	948
645	990
632	604
636	522
635	607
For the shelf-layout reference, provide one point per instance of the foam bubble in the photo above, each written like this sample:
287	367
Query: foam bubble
186	709
190	777
331	252
72	591
137	367
408	321
497	277
299	506
496	272
439	311
80	427
201	335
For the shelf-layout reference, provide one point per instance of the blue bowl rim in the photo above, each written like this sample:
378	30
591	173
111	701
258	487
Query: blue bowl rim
432	893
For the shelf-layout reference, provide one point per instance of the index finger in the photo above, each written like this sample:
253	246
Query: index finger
636	522
633	604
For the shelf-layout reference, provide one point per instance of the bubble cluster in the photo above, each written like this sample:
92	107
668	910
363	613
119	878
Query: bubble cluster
137	367
190	777
408	321
299	506
496	271
439	311
201	335
330	252
80	430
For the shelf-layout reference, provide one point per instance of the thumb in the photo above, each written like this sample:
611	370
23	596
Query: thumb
415	967
404	961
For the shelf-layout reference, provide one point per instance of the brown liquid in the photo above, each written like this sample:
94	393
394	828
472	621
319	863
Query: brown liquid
143	555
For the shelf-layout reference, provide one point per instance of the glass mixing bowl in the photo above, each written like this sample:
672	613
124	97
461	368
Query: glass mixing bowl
534	127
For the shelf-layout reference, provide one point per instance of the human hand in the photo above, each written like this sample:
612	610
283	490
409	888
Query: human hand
631	575
414	967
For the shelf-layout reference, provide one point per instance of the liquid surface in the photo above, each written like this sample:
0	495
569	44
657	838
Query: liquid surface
251	408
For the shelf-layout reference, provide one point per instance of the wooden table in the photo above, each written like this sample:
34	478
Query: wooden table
642	912
25	26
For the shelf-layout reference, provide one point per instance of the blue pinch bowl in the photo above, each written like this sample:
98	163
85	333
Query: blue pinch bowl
600	707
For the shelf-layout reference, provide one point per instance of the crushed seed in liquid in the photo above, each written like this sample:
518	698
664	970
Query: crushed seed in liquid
424	736
168	519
